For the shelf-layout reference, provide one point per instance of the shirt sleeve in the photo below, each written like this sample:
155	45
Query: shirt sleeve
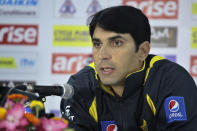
177	108
76	110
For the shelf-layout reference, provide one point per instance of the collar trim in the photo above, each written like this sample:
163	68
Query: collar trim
153	60
108	90
144	64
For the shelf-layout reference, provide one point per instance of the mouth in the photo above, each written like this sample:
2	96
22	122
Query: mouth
107	70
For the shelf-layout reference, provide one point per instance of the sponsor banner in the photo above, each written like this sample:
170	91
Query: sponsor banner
19	8
13	83
156	9
71	36
194	37
194	9
169	57
193	66
69	63
163	36
18	62
11	34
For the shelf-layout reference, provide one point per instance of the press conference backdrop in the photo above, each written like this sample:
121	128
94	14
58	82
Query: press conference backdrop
45	41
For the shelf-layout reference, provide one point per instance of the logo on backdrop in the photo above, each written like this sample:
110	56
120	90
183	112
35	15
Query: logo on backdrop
175	109
193	66
163	36
18	62
156	9
69	63
13	83
194	9
71	36
18	35
93	7
67	8
194	37
8	62
109	126
26	8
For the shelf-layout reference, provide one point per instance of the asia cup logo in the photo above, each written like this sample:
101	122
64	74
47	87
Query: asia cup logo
112	127
173	106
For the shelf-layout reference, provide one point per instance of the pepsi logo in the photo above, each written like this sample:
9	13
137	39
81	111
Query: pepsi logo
173	106
112	127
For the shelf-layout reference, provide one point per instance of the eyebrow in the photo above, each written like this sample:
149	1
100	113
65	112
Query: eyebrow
116	37
110	38
95	39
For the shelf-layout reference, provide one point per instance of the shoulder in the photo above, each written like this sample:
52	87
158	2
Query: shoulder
169	76
159	64
170	69
84	82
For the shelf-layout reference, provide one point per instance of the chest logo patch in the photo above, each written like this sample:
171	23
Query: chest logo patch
109	126
175	109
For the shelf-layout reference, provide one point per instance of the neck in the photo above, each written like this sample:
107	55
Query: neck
118	90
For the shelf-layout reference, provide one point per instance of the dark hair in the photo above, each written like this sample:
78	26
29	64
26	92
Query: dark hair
122	19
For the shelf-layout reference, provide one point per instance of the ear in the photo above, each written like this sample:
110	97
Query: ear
144	50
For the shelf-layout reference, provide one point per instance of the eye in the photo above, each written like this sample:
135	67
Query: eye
117	43
96	44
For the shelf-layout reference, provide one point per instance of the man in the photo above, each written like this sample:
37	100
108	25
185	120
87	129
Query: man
125	88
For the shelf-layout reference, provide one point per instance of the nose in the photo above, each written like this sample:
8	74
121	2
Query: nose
104	52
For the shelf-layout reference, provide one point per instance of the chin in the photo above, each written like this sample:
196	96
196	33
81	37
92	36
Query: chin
108	82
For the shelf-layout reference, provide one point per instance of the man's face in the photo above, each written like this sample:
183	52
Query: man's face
114	56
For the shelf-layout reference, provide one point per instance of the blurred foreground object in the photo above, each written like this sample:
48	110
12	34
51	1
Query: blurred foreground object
13	116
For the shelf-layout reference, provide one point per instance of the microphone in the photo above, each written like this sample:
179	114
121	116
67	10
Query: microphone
65	92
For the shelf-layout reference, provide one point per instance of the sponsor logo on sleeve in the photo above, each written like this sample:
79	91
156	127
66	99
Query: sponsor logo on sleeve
193	66
69	63
71	36
175	109
93	7
26	35
194	37
163	36
22	8
156	9
109	126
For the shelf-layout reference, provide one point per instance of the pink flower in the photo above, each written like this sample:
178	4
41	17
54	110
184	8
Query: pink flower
53	125
9	104
14	118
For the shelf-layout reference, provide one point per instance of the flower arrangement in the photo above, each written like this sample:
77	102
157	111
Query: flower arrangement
15	117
